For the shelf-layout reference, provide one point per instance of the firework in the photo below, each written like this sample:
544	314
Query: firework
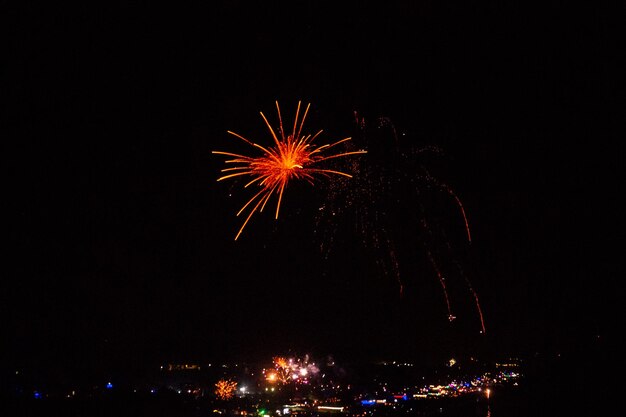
293	370
394	205
225	389
292	157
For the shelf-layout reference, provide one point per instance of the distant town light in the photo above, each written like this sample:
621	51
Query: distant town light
327	407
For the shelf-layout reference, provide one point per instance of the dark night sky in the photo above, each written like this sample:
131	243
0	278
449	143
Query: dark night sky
120	242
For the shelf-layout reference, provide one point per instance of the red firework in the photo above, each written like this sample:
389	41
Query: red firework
292	157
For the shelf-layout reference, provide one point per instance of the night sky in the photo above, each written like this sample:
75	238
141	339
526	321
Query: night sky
119	241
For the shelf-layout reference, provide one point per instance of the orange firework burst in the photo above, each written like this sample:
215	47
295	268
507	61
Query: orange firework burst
281	362
225	389
293	156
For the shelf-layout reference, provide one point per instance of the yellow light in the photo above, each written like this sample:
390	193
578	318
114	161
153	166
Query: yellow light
326	407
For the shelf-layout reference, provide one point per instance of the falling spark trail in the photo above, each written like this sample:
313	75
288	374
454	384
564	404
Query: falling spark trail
443	283
447	189
469	286
458	201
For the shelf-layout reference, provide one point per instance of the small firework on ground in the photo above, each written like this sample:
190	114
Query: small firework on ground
225	389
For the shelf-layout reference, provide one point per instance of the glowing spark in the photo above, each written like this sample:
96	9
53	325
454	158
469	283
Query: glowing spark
292	157
225	389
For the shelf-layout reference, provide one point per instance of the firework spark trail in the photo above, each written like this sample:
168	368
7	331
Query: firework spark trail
447	189
458	201
431	258
427	228
462	273
469	285
291	158
443	283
